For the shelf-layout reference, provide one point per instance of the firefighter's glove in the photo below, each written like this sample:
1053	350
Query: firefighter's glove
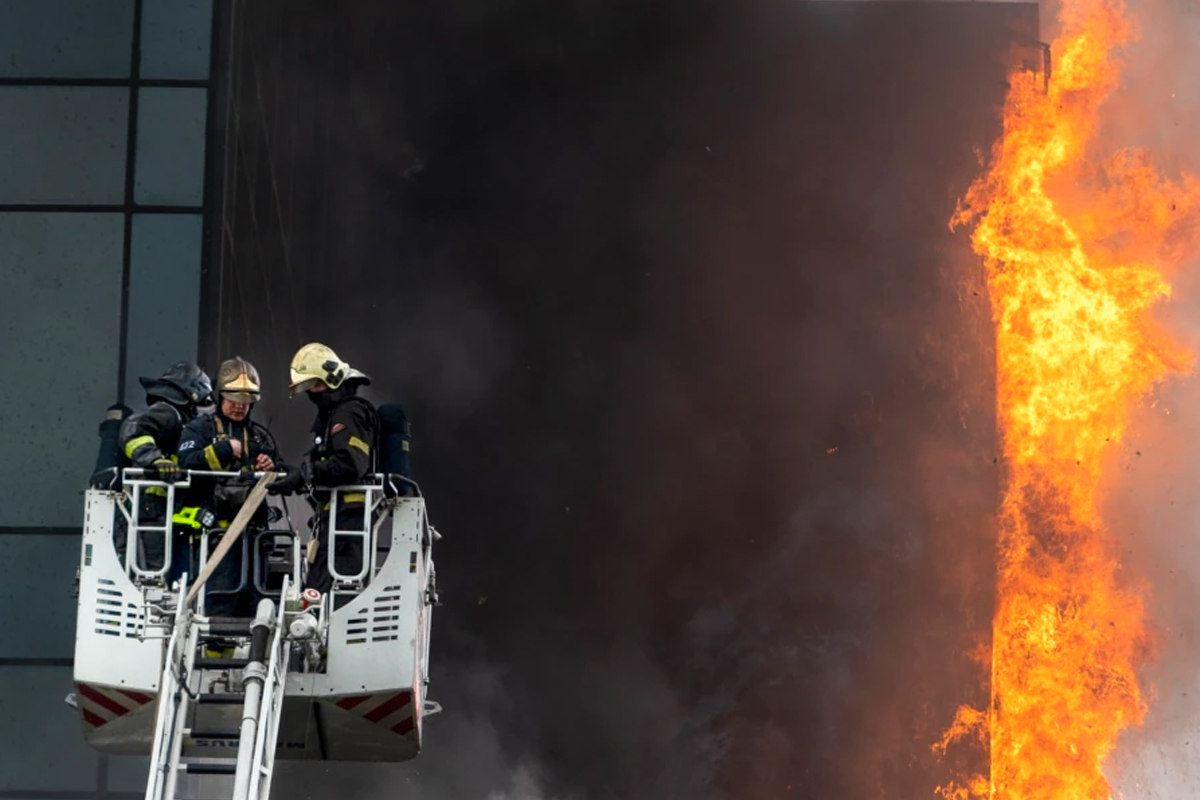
297	478
167	470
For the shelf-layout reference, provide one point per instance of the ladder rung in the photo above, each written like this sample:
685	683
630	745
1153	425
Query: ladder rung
221	698
222	663
227	768
214	733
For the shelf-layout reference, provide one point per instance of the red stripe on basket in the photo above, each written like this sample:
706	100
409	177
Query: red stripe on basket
137	697
350	702
102	700
394	704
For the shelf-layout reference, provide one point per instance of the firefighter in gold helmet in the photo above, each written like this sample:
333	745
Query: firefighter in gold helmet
226	441
344	433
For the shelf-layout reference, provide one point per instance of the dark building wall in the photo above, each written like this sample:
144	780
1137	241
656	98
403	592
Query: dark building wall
103	114
700	380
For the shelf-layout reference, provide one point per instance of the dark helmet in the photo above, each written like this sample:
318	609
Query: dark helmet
183	385
237	380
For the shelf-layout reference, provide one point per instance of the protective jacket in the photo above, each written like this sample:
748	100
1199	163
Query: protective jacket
206	445
149	438
342	454
343	443
151	434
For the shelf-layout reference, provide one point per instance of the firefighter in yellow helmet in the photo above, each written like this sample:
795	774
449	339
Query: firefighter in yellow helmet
343	454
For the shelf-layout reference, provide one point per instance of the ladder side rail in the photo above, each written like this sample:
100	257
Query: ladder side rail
167	699
272	742
168	702
267	741
185	695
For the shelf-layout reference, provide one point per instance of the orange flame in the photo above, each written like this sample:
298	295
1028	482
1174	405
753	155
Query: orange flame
1075	247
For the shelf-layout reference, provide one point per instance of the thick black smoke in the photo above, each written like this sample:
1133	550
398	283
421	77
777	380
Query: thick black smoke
699	377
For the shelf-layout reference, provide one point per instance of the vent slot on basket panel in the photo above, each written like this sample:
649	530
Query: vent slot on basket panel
115	615
385	615
380	622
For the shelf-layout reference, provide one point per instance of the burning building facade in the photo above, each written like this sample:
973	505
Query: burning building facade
704	391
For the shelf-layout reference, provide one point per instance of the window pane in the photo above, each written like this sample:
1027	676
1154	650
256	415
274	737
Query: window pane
164	294
66	38
63	144
36	573
170	146
60	317
41	737
176	35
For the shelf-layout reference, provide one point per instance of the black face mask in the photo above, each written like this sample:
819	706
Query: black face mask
323	400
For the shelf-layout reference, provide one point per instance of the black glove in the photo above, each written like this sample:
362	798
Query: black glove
167	470
297	478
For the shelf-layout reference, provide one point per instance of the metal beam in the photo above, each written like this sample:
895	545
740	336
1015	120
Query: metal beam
38	530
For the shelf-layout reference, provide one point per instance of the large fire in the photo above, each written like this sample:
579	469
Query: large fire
1075	247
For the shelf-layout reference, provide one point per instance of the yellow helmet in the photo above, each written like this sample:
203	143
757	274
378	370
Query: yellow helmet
317	362
237	380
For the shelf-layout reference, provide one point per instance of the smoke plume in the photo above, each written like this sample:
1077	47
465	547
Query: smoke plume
700	381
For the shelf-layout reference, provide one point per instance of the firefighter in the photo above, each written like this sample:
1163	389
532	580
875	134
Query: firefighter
149	438
228	440
342	455
225	441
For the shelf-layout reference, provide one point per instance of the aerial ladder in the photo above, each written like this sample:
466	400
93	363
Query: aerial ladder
193	710
216	701
196	695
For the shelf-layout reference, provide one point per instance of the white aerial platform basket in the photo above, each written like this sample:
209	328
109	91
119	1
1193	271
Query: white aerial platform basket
357	688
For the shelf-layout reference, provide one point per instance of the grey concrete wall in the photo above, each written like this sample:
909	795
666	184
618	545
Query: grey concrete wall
103	120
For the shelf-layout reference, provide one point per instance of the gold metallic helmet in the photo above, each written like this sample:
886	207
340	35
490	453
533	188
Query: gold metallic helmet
237	380
316	362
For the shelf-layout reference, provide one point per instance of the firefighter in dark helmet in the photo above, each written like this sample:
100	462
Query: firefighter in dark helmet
225	441
149	439
342	455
